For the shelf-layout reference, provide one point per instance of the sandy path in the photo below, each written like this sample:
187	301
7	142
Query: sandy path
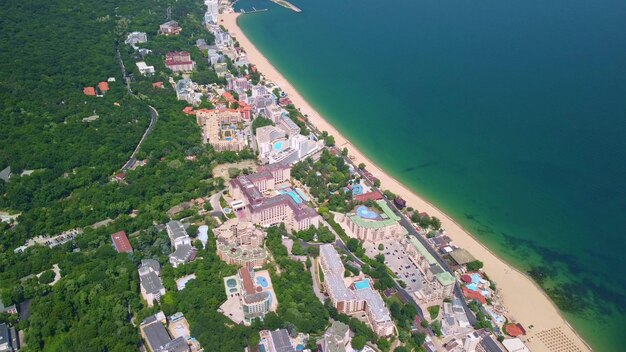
524	300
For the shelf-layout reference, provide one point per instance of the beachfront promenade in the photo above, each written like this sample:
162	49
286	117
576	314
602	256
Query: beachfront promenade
523	298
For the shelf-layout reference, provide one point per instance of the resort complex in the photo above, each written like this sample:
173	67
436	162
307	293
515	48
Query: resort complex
250	295
222	129
282	145
261	198
240	243
374	223
350	296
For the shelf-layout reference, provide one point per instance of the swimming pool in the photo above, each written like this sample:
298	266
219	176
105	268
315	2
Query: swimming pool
261	281
472	286
291	193
476	278
278	146
359	285
365	213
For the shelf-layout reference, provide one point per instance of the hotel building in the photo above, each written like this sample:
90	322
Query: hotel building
179	61
184	252
439	283
220	128
254	292
250	202
368	224
351	297
240	243
150	283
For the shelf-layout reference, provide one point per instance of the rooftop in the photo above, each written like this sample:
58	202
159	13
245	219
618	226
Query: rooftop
281	342
176	230
151	282
387	218
334	277
462	256
155	333
121	243
444	277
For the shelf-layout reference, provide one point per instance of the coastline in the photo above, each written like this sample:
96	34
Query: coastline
523	298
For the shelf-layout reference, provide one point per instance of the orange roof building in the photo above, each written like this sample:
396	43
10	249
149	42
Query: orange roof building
90	91
514	330
189	110
103	86
469	294
229	97
158	85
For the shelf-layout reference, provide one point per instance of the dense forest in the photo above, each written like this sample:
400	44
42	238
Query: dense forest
51	50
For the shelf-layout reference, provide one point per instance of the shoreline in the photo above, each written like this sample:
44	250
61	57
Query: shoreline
522	297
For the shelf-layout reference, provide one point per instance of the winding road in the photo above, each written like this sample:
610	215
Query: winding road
133	157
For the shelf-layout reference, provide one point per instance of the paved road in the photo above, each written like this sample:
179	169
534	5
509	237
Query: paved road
122	68
133	157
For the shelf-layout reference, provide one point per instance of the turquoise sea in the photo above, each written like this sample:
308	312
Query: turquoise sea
509	115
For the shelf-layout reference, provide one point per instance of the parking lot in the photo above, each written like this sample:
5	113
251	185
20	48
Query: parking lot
398	261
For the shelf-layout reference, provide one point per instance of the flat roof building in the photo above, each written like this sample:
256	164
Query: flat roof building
349	297
249	191
373	224
150	283
439	282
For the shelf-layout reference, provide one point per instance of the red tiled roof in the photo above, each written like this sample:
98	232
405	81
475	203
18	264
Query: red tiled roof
103	86
91	91
121	243
248	285
374	195
466	278
189	110
157	84
473	295
514	330
229	97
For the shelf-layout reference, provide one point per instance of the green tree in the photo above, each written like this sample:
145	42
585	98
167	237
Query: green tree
474	265
261	121
46	277
358	342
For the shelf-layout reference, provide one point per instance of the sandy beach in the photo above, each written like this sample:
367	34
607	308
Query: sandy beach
524	300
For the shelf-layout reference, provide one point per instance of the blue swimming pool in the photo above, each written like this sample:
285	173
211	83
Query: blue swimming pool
472	287
476	278
261	281
366	213
293	194
357	189
359	285
278	146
